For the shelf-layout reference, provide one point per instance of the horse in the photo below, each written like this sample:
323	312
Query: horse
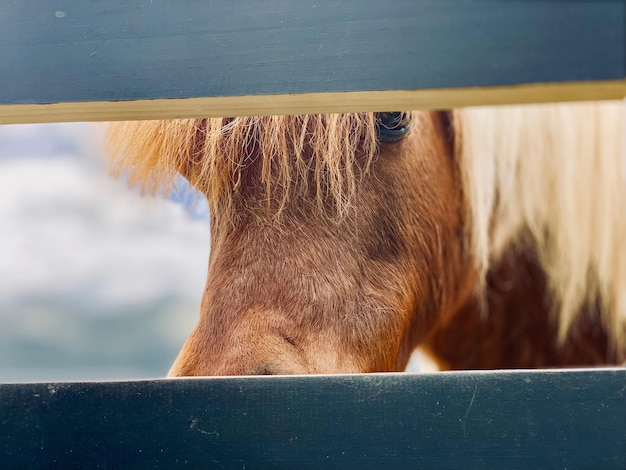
488	237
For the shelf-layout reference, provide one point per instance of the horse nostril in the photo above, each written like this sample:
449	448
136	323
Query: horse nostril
265	369
271	369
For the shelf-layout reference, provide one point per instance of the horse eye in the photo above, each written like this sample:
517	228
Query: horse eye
393	126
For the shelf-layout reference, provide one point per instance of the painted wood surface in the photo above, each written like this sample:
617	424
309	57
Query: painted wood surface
77	60
480	420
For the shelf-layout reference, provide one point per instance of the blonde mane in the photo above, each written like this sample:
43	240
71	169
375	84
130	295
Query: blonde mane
556	172
215	155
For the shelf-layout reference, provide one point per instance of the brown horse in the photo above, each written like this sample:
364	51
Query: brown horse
489	237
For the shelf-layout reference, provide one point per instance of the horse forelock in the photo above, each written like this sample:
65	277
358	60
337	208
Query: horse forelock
555	175
285	158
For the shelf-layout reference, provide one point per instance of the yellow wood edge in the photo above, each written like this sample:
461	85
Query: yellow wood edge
310	103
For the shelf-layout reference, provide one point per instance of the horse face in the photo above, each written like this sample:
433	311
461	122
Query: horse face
309	293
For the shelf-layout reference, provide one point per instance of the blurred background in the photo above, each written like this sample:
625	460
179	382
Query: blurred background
96	281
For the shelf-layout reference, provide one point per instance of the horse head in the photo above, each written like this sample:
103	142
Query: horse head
336	240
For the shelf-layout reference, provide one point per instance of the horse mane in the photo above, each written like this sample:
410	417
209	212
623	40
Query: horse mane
555	172
294	156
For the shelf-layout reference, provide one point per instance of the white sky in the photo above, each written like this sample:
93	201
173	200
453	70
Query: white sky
67	226
72	235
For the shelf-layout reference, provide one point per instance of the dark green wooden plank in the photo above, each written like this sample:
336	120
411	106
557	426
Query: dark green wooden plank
501	420
75	51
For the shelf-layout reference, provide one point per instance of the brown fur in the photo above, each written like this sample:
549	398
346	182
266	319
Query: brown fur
514	327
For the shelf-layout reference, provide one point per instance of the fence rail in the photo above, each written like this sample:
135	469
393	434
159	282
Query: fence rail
107	60
492	420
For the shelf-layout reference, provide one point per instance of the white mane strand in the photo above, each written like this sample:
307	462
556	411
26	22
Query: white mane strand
556	172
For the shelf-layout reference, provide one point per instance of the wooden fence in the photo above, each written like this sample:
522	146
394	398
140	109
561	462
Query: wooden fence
104	60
